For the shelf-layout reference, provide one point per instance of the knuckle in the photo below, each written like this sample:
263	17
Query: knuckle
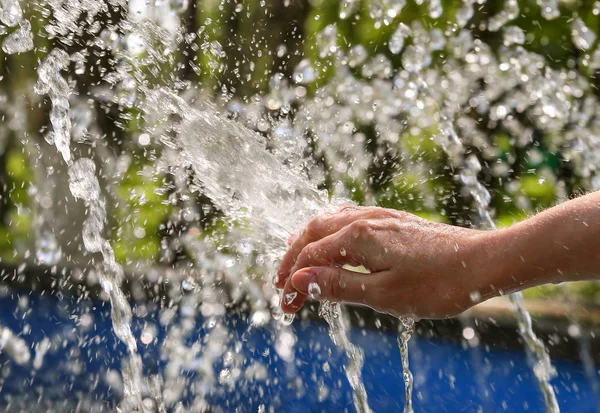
313	228
361	227
400	214
396	224
326	223
310	251
307	253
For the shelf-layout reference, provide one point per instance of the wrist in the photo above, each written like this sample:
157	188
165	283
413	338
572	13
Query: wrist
557	245
525	255
502	264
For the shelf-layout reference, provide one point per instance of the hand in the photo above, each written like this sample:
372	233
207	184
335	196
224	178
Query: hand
417	267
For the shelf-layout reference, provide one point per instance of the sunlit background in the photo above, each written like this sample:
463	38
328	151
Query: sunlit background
468	112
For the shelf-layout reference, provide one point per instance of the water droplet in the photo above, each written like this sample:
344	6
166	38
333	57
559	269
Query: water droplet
582	36
289	297
475	296
385	11
437	41
513	35
380	66
314	291
144	139
464	13
415	58
189	284
327	41
396	42
510	12
277	313
357	55
14	346
148	334
260	318
287	319
468	333
179	6
347	8
304	72
435	9
574	330
10	12
19	41
472	164
79	60
48	251
549	9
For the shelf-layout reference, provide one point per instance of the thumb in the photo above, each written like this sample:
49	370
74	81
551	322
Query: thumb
336	284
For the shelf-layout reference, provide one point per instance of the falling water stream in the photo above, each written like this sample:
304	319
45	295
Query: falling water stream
542	366
85	186
255	170
335	317
407	328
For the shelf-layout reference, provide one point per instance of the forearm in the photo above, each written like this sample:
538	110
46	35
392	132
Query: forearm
432	270
559	244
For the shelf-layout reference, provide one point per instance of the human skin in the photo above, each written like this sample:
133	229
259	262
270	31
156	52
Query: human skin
425	269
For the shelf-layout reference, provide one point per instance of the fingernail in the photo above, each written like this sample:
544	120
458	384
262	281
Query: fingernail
301	279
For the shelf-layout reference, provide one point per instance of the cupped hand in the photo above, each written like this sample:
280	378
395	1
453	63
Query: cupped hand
417	267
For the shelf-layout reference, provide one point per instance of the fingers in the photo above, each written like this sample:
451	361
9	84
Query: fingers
292	299
330	283
334	249
321	227
317	228
344	247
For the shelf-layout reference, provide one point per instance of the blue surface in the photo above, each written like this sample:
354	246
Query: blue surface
448	377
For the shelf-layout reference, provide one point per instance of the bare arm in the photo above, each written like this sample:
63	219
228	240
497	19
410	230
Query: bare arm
557	245
432	270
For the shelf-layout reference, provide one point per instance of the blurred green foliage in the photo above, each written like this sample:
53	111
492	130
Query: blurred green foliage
18	217
141	212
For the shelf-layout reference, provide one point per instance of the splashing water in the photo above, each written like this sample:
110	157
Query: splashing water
255	185
351	116
271	197
19	41
11	13
14	346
